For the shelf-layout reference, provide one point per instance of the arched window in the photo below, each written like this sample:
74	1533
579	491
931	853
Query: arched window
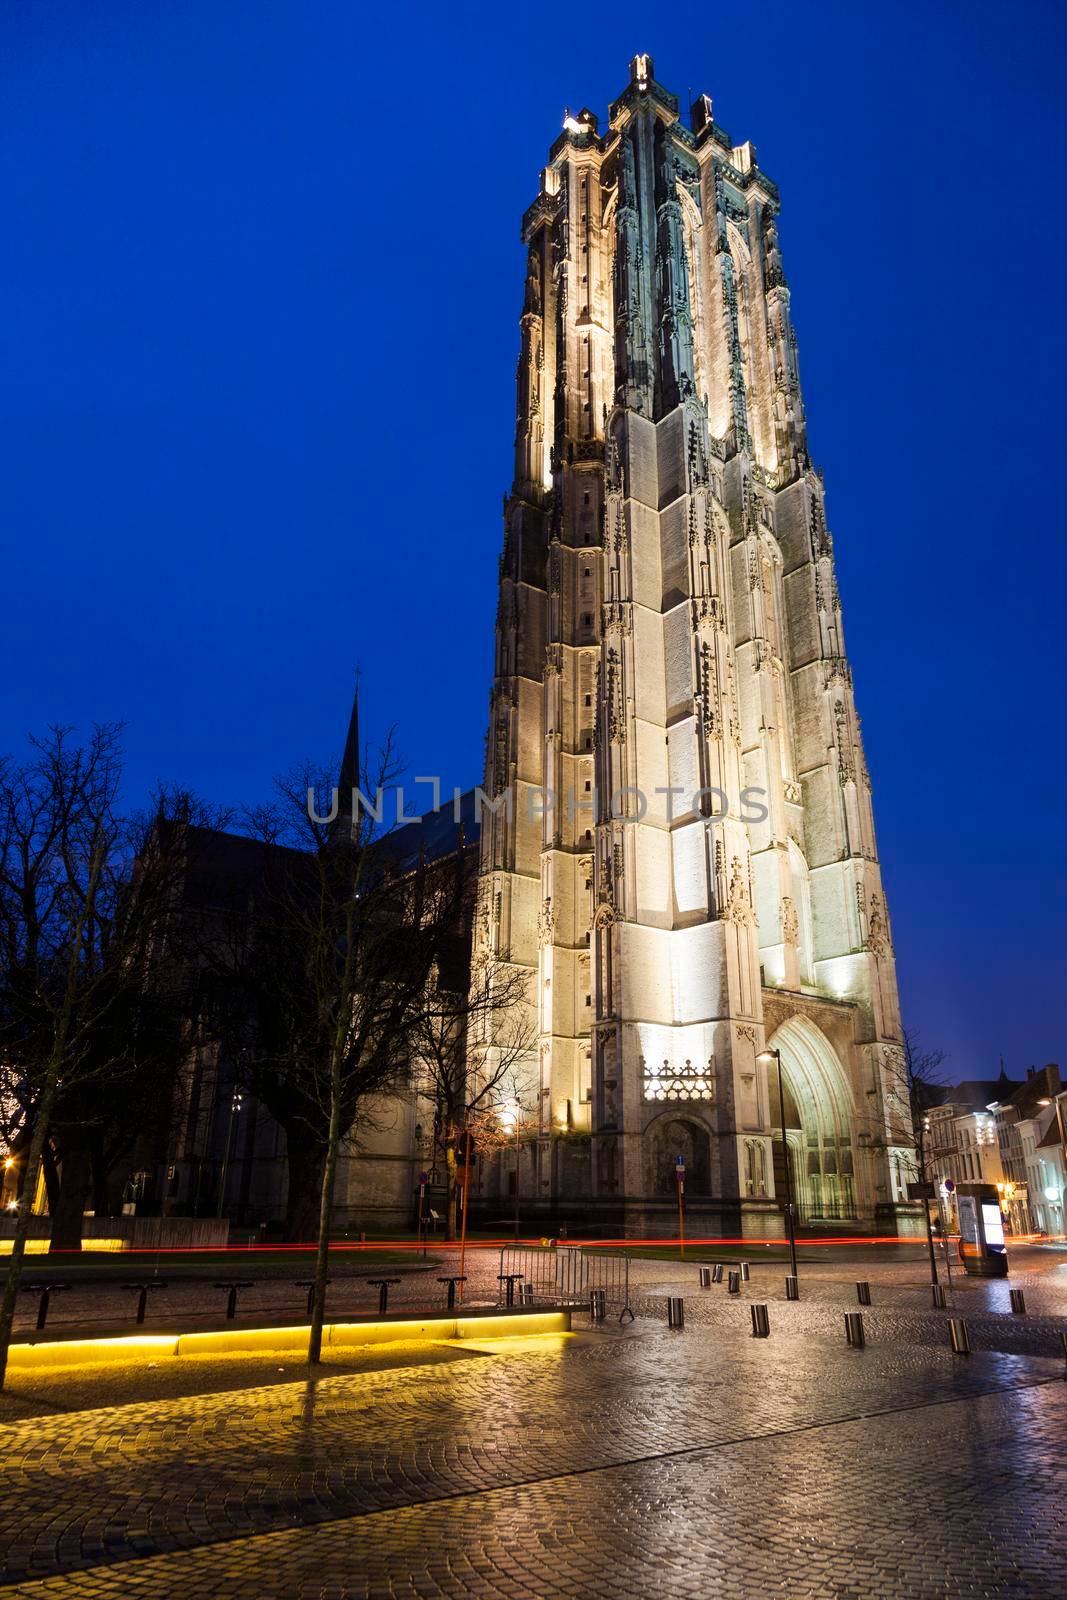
755	1167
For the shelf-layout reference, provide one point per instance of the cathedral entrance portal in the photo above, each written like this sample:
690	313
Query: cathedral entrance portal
669	1138
820	1125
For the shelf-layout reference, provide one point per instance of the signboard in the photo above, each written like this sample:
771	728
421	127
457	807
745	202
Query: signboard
921	1191
967	1211
992	1224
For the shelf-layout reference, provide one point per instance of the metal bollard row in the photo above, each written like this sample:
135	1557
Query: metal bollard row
675	1311
761	1325
854	1329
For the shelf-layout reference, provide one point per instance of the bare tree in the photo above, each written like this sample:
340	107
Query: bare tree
922	1072
85	897
469	1041
321	987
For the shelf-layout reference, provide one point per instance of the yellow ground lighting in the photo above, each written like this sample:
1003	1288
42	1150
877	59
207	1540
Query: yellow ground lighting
501	1333
40	1247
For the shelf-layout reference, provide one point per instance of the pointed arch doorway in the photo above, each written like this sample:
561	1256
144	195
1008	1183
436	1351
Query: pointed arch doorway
820	1121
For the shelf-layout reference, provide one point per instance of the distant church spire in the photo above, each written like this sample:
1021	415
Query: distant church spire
349	777
350	774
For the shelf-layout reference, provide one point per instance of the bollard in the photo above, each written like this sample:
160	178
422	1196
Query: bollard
937	1295
854	1329
598	1304
961	1344
675	1311
863	1293
705	1277
742	1267
1018	1302
716	1272
761	1324
526	1294
452	1289
733	1283
792	1287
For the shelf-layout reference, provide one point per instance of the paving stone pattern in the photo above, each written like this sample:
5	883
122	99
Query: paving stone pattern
624	1461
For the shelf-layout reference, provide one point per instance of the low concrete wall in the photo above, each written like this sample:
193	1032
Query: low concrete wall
156	1347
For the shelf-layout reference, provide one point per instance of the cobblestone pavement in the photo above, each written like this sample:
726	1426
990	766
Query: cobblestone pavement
899	1278
958	1502
594	1464
620	1461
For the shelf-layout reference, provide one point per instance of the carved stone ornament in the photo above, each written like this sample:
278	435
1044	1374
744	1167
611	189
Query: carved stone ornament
738	901
546	922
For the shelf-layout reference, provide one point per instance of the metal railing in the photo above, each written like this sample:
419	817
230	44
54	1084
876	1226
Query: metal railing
564	1275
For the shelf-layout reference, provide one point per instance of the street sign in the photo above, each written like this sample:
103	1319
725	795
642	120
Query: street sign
948	1186
921	1191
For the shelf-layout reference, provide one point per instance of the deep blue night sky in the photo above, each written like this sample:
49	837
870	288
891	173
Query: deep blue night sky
261	283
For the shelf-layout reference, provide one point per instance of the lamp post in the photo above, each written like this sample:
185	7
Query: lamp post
512	1111
768	1055
235	1106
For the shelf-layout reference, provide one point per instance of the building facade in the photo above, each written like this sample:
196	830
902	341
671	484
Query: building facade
681	852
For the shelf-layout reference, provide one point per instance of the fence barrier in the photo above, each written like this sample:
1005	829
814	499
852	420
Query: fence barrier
567	1275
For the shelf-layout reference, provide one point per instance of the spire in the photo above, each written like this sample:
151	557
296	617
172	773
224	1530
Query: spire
350	773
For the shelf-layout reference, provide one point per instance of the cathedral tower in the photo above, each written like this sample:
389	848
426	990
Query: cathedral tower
682	852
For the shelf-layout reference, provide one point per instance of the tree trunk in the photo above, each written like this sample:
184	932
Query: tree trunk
22	1216
322	1254
51	1178
75	1186
450	1179
304	1198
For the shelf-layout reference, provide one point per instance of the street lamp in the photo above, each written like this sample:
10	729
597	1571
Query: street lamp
767	1056
235	1106
512	1113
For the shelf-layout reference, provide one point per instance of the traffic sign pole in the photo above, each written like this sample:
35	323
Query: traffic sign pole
926	1192
679	1173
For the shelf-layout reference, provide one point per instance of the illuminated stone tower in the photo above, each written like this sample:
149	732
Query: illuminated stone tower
683	855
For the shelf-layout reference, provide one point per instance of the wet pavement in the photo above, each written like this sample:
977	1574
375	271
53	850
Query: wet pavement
622	1460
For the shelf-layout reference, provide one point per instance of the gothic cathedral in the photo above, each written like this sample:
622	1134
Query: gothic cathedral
679	850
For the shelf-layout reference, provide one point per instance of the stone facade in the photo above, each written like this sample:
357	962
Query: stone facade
682	852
